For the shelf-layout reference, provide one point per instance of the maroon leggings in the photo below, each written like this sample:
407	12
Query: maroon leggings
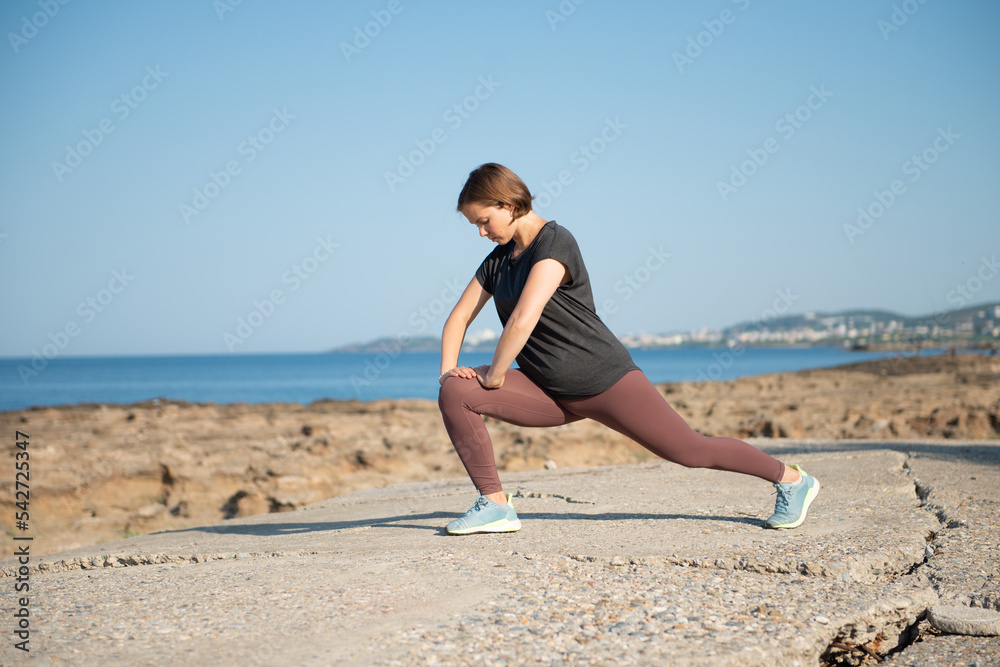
632	407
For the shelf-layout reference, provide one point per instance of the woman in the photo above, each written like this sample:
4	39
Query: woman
570	364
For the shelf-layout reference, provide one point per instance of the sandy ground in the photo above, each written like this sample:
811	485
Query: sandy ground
102	472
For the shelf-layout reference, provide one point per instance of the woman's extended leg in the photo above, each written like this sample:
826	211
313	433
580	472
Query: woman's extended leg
519	401
636	409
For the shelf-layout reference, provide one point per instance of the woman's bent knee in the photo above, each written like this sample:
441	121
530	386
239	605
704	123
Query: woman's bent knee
454	390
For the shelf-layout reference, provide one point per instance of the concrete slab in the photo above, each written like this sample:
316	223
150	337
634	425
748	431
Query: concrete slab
641	564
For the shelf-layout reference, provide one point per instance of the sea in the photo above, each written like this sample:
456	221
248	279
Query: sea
305	378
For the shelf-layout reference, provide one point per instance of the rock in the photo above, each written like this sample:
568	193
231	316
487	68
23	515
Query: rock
242	503
965	620
181	509
150	511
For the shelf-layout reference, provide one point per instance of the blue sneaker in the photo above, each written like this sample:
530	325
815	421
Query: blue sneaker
486	517
793	501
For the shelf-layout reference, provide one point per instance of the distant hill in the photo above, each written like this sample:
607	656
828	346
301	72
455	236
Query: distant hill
969	316
415	344
859	328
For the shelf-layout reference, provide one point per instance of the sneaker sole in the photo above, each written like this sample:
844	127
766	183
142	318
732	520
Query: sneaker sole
813	492
501	526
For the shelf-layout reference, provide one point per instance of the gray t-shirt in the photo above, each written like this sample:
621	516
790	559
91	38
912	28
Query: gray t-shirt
570	353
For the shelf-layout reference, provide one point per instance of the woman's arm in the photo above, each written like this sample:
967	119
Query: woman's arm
469	304
545	277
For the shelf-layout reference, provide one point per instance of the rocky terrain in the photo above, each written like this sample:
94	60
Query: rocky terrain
101	472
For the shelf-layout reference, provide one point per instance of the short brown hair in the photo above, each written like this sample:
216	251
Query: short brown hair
495	185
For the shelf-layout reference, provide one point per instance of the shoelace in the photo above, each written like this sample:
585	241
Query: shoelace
481	502
781	502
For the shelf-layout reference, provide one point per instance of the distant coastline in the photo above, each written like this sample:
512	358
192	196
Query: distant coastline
972	327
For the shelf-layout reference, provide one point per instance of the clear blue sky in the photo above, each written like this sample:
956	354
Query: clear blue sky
310	129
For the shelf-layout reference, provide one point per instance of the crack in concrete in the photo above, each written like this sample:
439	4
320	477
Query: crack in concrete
950	518
882	634
133	560
535	494
878	569
806	568
886	633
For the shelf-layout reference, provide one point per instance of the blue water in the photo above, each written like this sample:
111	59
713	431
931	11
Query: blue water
304	378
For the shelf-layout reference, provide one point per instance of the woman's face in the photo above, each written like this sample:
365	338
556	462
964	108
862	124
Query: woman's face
494	222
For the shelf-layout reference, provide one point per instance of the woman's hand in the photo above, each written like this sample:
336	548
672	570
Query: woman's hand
458	372
488	381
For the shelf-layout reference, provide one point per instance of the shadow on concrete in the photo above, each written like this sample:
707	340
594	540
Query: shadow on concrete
616	516
281	529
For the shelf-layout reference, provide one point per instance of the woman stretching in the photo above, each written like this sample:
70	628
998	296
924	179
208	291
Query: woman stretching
570	364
